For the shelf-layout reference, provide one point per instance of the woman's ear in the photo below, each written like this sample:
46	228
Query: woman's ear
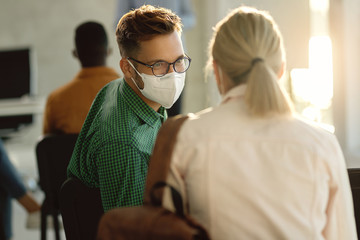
216	72
218	78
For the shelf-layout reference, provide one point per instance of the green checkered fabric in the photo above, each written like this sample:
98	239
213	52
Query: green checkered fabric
114	146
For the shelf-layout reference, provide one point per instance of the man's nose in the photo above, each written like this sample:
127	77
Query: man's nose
171	68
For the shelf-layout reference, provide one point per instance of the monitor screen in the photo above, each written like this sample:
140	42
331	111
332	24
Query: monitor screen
16	82
15	75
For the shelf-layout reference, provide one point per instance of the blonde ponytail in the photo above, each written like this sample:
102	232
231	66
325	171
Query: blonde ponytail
247	44
263	94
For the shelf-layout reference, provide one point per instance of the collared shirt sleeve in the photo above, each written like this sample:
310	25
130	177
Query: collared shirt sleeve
340	213
122	174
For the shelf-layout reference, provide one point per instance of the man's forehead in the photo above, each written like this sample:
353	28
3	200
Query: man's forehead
163	47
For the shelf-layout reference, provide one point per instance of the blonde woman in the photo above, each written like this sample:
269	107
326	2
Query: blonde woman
249	168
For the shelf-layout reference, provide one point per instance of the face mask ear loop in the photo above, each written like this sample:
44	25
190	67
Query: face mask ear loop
133	67
136	72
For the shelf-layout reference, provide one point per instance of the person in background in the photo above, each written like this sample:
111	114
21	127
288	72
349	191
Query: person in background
114	146
12	187
182	8
67	106
250	168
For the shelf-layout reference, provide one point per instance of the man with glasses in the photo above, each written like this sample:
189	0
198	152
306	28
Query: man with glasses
182	8
117	138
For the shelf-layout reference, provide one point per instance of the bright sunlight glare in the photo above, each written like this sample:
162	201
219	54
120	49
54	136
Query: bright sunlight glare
321	69
315	84
319	5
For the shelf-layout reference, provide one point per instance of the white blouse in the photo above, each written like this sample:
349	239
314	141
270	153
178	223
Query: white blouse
275	178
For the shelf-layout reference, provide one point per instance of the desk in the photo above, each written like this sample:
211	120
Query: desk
23	106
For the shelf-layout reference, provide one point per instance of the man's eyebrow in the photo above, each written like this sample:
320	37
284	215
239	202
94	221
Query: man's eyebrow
157	60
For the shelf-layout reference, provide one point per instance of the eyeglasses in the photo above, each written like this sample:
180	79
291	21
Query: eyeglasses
160	68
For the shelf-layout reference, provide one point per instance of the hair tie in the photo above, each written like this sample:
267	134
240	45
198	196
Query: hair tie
255	60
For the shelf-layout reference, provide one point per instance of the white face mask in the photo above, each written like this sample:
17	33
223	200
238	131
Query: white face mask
164	90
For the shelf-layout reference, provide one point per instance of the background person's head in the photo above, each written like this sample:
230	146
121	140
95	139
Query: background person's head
91	44
247	48
148	35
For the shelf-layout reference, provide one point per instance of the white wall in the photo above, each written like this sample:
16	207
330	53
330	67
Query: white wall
352	73
344	16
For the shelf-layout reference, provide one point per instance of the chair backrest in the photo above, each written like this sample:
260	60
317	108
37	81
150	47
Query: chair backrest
81	209
354	177
53	153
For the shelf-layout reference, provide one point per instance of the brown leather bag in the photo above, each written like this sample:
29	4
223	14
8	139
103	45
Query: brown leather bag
151	221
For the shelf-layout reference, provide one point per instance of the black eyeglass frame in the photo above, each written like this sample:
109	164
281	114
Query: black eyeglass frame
168	68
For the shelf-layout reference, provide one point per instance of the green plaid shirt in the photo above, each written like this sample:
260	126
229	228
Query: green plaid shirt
114	146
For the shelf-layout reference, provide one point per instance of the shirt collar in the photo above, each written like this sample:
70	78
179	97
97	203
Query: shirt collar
140	108
235	92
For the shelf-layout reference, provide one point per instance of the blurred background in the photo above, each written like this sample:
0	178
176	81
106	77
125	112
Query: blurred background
322	41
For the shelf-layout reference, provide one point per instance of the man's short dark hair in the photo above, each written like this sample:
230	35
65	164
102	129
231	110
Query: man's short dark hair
91	42
142	24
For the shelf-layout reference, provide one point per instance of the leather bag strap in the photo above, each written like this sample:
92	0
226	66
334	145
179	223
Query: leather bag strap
175	195
160	159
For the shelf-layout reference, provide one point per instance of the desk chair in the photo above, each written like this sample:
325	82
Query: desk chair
81	209
53	153
354	177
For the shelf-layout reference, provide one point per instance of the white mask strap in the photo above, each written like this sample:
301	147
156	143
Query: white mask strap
133	67
136	72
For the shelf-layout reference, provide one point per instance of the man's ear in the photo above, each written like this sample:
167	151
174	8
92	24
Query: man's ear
75	53
126	68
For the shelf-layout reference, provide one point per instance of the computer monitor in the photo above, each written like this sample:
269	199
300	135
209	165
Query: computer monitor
16	82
